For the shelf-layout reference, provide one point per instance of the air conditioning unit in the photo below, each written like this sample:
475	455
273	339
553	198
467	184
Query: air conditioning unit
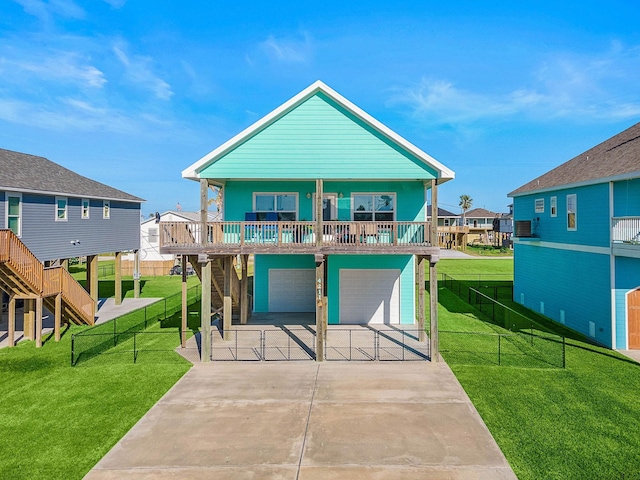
523	228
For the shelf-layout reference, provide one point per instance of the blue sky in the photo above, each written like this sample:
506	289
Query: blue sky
131	92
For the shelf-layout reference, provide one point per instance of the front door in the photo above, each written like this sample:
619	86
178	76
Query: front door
329	207
633	316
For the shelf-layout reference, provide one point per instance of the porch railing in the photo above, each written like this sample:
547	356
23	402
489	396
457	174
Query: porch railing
295	234
626	230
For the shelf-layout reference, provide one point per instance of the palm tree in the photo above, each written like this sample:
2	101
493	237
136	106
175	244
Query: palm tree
466	203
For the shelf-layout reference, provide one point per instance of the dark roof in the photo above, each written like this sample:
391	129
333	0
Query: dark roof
441	212
480	213
23	172
618	156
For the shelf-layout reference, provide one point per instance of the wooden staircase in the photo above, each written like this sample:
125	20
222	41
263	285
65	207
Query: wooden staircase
217	284
23	275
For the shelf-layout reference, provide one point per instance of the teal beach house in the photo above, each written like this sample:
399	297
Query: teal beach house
333	206
577	242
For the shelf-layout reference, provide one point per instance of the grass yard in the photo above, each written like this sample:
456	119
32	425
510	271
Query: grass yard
58	421
581	422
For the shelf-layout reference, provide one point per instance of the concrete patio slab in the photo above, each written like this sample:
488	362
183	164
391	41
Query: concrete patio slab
307	420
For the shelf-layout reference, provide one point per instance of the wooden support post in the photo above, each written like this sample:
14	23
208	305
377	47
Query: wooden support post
118	280
420	267
227	305
57	317
244	290
136	274
38	315
12	320
28	319
183	326
205	313
65	263
319	228
433	307
92	274
319	307
204	209
434	214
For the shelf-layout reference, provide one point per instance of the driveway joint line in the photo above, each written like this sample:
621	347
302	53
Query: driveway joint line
306	428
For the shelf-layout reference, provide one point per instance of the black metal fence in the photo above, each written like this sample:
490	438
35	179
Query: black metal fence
341	344
518	340
130	327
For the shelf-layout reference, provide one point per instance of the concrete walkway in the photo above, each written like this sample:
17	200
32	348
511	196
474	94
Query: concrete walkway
307	421
632	354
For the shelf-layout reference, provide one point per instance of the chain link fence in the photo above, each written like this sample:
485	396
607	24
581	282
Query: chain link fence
518	340
130	329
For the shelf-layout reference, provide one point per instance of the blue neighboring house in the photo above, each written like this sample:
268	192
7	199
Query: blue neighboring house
577	242
318	152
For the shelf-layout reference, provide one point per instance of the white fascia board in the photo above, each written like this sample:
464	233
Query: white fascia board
66	194
192	172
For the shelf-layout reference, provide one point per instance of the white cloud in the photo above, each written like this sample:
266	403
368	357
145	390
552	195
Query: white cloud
138	70
56	66
44	10
288	50
601	86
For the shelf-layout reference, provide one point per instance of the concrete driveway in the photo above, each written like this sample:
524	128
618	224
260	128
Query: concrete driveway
307	420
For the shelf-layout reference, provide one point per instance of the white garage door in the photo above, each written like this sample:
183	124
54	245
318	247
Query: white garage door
292	290
369	296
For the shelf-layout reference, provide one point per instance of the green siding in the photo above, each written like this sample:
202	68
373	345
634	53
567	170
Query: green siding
264	263
410	197
318	139
407	281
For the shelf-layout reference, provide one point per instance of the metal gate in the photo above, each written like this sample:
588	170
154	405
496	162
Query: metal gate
357	343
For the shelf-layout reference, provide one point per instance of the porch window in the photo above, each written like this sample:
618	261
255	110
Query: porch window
85	208
572	212
61	209
374	207
14	213
283	204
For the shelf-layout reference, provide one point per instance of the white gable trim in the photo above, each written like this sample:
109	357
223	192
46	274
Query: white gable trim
193	172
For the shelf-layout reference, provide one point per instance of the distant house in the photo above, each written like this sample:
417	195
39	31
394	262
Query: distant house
152	262
451	235
332	203
51	214
577	245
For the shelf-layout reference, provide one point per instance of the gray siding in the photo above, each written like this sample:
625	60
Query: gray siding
3	220
49	239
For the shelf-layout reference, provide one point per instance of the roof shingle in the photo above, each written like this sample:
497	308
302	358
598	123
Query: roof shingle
24	172
617	156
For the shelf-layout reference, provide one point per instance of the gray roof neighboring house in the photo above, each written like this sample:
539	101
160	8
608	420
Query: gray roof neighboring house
617	158
29	173
480	213
442	213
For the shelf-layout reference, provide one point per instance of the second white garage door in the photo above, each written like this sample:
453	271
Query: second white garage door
292	290
369	296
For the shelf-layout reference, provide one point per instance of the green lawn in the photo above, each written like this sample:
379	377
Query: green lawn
581	422
57	421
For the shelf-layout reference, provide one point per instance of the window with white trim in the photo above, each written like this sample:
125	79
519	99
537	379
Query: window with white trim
85	208
106	209
14	213
283	205
553	206
375	207
572	212
539	205
62	206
